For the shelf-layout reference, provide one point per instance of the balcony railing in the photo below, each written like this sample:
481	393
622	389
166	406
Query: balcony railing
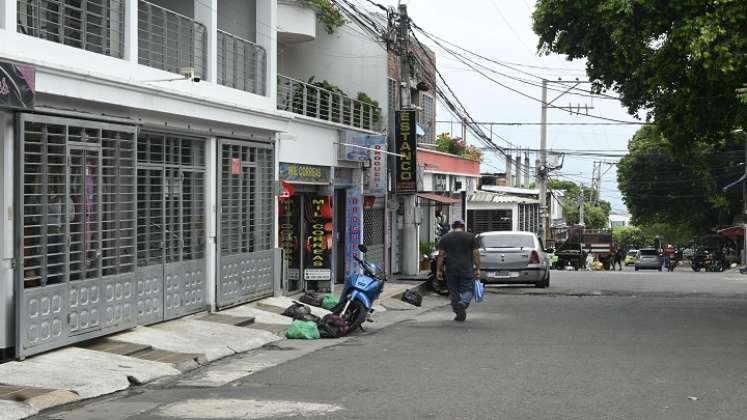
312	101
92	25
170	41
241	63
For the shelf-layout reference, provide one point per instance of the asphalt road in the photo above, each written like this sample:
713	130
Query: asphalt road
628	345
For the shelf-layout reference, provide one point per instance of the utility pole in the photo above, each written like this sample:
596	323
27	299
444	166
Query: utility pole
410	241
581	206
542	169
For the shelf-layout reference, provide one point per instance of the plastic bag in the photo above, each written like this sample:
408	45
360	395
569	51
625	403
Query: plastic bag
303	330
329	301
412	297
297	310
479	291
311	298
333	326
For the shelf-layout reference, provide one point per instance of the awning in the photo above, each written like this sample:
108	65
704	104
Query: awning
439	198
732	233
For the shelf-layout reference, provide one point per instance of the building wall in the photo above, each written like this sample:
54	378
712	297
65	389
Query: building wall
238	17
347	58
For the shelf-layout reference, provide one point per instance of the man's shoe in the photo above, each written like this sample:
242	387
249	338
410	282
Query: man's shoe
461	313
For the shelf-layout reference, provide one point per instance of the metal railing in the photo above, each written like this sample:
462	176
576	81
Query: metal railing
92	25
170	41
241	63
312	101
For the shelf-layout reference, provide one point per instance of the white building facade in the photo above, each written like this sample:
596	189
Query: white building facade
141	185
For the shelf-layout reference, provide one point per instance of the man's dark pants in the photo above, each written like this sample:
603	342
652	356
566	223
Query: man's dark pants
461	288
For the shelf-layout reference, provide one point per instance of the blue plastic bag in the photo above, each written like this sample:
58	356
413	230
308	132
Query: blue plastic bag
479	291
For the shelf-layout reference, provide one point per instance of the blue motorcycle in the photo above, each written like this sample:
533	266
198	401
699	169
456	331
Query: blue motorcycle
360	292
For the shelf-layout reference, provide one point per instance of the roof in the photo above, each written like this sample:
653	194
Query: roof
439	198
489	197
510	190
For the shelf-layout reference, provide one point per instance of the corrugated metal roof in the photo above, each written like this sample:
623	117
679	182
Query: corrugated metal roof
489	197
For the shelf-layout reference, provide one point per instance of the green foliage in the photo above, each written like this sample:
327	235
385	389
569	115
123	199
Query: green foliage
658	187
678	234
351	112
363	97
427	248
629	237
455	146
327	13
681	61
594	217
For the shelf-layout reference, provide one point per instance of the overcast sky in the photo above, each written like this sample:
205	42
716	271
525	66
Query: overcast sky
502	30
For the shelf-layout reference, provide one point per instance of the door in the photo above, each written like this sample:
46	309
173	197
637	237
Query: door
246	257
171	227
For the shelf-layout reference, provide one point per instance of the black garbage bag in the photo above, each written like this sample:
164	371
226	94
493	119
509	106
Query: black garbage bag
413	297
296	310
333	326
311	298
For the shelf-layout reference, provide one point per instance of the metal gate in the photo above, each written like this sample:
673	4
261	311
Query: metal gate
170	226
75	231
246	265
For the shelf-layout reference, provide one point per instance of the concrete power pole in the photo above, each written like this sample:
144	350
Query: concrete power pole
581	206
542	169
410	241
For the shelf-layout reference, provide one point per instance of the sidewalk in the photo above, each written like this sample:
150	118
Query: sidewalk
159	352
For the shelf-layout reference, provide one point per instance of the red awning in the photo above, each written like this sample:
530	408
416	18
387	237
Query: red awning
732	233
439	198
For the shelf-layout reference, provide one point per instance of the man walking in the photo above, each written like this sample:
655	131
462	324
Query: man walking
459	251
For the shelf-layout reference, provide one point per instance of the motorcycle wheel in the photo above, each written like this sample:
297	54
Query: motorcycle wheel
355	315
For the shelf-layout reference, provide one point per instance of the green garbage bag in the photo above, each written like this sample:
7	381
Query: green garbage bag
329	301
303	330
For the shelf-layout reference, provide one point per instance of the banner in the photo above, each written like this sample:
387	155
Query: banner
354	229
375	176
406	147
319	241
17	86
289	234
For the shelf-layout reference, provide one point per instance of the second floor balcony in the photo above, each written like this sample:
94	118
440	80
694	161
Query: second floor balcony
312	101
168	40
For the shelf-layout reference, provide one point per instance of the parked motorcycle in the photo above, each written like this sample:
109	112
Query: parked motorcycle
435	285
360	292
708	260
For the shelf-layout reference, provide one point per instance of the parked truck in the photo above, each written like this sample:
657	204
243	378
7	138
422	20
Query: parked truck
573	243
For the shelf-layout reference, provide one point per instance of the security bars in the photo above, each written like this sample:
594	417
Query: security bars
241	63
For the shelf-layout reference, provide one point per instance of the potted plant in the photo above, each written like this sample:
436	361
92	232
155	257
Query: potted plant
426	249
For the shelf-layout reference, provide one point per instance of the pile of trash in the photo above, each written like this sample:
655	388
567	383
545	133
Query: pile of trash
307	326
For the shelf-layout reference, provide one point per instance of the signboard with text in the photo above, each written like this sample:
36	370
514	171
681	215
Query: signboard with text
406	178
311	174
289	234
17	86
354	227
318	243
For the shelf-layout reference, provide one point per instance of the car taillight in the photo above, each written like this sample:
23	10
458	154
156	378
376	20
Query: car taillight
535	259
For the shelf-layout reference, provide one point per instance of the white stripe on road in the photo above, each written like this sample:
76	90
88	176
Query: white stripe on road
243	409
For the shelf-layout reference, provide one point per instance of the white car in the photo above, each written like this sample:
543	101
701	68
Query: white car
513	258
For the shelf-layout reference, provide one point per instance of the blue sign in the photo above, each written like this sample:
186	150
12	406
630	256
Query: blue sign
354	229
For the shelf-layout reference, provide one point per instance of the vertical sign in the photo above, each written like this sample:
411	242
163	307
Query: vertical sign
289	234
377	172
406	144
354	227
319	242
235	166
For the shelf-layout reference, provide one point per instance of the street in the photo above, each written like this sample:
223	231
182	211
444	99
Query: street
595	345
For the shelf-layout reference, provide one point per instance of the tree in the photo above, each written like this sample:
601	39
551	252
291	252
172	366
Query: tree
594	217
658	188
629	237
680	61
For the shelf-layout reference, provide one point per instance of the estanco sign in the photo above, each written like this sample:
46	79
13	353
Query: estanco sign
406	144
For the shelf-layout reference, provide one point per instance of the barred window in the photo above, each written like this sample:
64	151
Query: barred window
427	118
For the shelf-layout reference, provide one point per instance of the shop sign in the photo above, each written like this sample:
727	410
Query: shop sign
376	174
235	166
406	147
319	242
17	86
289	235
357	145
354	229
311	174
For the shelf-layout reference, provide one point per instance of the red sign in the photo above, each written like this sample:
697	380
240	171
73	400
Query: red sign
288	190
368	202
235	166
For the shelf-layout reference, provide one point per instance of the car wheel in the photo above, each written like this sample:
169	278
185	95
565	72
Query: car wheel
544	283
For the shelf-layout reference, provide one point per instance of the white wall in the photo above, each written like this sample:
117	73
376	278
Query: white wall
308	143
348	58
6	229
238	17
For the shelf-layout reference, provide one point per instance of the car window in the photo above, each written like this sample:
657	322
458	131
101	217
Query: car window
632	253
506	241
648	252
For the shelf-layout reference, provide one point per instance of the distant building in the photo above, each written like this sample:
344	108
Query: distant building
618	220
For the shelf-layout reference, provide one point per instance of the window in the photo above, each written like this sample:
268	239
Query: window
506	241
